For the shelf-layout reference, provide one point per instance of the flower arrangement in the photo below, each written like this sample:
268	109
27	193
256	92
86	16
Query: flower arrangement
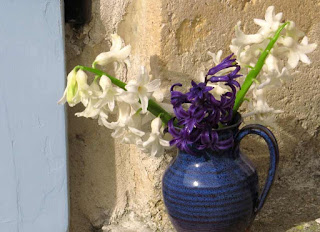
258	61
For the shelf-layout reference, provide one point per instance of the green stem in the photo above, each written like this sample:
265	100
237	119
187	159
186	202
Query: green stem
100	73
252	75
153	107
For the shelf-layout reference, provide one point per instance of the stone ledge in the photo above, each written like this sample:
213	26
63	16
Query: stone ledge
313	226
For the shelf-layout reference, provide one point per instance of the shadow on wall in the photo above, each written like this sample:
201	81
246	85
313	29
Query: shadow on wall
295	196
92	168
158	70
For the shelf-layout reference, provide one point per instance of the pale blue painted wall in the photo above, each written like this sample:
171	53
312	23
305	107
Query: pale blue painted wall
33	161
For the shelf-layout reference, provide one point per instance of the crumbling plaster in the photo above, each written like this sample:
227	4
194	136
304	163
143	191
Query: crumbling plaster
111	182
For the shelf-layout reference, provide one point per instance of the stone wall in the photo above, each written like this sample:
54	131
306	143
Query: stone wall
113	183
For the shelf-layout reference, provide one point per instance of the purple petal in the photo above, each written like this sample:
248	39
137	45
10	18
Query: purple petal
174	85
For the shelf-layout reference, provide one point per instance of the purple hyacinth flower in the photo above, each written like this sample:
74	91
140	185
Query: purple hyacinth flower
197	120
229	78
197	92
177	98
190	117
226	63
208	139
182	138
224	144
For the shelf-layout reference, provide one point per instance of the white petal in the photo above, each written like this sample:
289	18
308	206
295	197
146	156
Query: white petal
94	89
128	97
103	114
119	132
243	39
105	82
124	112
309	48
156	124
305	47
144	102
158	95
153	85
132	86
304	41
215	57
116	42
82	78
71	86
104	58
143	78
111	105
136	131
164	143
110	125
265	83
260	22
149	142
130	138
305	59
278	16
156	150
269	14
272	63
90	111
123	53
63	98
293	60
288	41
112	56
218	56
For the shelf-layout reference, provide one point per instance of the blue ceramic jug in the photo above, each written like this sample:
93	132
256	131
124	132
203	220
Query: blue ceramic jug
217	191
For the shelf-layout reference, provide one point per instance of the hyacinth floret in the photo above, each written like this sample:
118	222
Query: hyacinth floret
198	113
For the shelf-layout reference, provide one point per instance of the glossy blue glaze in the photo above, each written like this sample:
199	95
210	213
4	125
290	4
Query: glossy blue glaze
217	191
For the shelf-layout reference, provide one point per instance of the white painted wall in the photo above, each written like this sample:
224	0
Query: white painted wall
33	161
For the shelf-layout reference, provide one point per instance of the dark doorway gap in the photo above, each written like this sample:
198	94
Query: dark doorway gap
77	12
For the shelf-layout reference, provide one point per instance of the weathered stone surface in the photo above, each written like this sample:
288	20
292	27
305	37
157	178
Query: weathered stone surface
109	181
312	226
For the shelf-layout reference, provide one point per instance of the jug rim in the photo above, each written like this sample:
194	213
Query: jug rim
235	123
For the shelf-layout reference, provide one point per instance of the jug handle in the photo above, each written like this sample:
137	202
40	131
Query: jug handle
271	141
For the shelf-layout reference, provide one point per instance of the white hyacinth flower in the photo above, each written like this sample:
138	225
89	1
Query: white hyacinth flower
133	133
126	125
141	89
71	88
155	144
297	52
117	54
77	89
216	58
274	78
218	88
82	95
109	93
91	111
271	23
242	39
284	56
260	110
